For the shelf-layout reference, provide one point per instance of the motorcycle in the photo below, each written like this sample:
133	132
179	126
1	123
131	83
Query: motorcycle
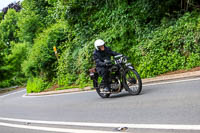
122	75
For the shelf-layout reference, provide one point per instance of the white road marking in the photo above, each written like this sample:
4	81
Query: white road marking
53	129
12	93
115	125
148	84
71	93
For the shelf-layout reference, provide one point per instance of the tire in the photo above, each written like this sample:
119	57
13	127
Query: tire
132	81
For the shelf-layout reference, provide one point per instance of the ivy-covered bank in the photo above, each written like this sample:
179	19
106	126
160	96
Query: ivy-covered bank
158	37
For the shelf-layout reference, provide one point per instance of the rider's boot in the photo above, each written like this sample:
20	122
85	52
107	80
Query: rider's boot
106	90
106	87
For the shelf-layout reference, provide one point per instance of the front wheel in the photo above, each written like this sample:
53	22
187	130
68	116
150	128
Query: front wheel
132	81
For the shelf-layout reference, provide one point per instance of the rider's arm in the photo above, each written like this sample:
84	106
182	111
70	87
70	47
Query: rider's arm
112	53
98	62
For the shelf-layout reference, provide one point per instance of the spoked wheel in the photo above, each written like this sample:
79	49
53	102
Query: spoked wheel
99	89
132	81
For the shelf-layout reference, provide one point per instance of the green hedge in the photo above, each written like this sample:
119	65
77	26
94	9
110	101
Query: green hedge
170	48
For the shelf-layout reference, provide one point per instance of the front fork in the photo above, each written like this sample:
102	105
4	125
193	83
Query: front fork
122	71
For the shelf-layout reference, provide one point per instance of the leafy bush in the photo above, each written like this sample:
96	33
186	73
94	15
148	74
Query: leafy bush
18	55
5	83
8	28
36	85
170	48
28	26
42	60
12	53
15	59
66	79
39	8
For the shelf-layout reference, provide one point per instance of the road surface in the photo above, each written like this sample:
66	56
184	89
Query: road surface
167	107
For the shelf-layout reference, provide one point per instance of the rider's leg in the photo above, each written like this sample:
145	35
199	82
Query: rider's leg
104	73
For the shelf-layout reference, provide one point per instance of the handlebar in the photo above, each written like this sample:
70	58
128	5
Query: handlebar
118	56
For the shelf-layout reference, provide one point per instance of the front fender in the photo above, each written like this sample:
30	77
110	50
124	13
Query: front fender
129	65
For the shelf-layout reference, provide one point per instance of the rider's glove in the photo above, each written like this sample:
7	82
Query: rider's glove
108	63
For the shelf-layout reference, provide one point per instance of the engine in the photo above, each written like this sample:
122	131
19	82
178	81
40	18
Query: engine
115	85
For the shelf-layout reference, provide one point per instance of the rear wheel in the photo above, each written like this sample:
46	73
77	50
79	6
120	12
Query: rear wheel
101	94
132	81
99	88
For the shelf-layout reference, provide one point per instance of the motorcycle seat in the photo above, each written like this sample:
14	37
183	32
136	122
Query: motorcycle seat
92	70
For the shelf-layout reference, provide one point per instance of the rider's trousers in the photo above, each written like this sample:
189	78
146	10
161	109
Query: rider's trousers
104	73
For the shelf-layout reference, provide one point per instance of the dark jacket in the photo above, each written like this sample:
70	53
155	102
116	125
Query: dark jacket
99	56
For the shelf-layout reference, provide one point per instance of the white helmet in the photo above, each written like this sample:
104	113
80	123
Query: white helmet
98	43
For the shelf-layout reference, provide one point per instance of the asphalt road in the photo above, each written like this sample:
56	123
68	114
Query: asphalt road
160	108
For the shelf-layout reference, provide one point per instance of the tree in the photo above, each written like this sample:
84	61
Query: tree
28	25
40	8
16	6
8	34
8	28
187	4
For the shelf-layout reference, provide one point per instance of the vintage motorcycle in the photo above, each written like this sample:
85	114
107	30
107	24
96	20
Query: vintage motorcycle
122	75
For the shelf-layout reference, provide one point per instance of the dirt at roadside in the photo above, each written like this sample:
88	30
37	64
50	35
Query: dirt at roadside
6	90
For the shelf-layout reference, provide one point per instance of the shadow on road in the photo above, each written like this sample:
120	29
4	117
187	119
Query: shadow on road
124	94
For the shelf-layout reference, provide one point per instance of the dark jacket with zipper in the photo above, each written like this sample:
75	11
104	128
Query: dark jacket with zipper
100	56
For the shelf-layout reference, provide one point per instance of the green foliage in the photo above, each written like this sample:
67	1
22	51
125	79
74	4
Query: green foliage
193	60
36	85
11	69
5	83
28	25
42	61
66	79
35	16
41	9
158	36
8	34
123	26
1	16
8	28
57	11
17	56
170	48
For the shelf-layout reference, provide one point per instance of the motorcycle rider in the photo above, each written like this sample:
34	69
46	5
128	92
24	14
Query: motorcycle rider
102	56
